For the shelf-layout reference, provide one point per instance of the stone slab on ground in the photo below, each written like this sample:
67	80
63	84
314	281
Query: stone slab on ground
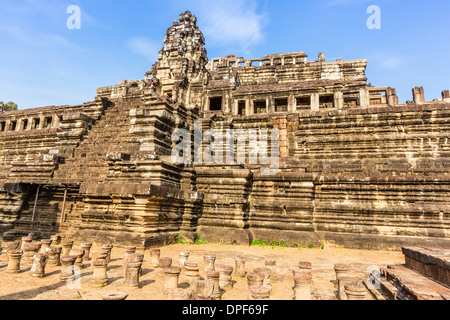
432	262
414	285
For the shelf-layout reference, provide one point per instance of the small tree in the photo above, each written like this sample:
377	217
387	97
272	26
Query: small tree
9	106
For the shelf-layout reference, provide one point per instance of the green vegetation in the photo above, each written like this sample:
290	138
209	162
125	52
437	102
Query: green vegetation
256	242
9	106
181	241
273	244
199	241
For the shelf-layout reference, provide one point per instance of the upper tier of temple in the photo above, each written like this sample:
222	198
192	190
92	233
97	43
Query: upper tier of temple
276	83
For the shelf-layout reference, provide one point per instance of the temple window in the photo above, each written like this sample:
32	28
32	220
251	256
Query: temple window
351	100
303	103
260	106
215	104
48	122
36	123
241	108
326	102
281	105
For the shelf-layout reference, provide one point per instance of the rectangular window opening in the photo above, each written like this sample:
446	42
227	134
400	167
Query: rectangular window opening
304	103
277	62
378	97
215	104
351	101
241	108
326	102
48	122
260	106
37	123
281	105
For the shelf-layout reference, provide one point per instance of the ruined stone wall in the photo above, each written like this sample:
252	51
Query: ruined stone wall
34	143
380	210
138	214
356	168
406	137
365	177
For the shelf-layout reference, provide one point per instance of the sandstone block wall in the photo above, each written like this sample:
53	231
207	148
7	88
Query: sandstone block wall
356	167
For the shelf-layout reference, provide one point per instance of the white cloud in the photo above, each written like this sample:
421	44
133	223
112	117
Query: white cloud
333	3
230	22
387	60
38	40
145	47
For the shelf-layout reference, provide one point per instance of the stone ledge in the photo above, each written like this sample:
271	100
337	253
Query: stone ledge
434	263
137	189
378	177
414	285
31	133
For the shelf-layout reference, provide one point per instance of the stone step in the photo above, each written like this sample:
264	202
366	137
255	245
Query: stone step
109	134
402	283
432	262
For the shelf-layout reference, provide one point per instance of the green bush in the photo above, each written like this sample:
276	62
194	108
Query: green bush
180	239
273	243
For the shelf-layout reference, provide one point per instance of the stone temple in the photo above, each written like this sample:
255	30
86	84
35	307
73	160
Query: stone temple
356	167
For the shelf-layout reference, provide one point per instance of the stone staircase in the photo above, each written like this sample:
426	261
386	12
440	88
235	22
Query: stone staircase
110	134
424	276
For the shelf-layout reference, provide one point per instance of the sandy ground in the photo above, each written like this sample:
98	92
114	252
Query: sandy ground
23	286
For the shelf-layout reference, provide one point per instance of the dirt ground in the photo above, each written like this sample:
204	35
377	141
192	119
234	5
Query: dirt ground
23	286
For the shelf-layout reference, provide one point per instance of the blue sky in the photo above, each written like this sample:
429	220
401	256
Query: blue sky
44	63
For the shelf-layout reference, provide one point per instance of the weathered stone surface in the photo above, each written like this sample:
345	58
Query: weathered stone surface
356	167
132	272
100	273
115	296
67	268
260	292
355	291
202	290
225	279
171	275
434	263
39	263
177	294
14	257
214	277
192	271
413	285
